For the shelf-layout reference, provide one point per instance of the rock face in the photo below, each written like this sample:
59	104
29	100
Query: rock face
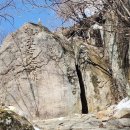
97	78
116	39
11	121
38	75
46	75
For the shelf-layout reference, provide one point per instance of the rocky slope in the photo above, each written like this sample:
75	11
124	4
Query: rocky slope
47	75
34	71
83	122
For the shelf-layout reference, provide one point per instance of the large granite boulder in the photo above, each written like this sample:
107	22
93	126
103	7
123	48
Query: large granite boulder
37	73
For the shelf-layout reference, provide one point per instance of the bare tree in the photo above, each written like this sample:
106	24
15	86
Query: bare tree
5	5
122	9
76	10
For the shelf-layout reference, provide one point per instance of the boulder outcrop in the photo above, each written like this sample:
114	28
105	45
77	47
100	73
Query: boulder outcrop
38	75
47	75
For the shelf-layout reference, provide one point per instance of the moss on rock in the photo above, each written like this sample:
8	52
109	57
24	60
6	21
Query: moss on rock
9	120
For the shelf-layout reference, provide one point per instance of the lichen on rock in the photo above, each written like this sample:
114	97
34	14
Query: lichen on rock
9	120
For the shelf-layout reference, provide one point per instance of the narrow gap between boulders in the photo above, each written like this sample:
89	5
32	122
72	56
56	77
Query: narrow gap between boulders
82	91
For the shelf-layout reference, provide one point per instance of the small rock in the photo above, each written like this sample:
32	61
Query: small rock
104	115
123	113
36	128
113	124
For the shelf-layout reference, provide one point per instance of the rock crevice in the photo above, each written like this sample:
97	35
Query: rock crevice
82	91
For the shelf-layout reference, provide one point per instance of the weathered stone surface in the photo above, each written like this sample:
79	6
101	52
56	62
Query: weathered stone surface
96	76
81	122
37	75
46	75
125	122
117	48
11	121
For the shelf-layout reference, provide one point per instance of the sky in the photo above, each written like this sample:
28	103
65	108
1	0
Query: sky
24	14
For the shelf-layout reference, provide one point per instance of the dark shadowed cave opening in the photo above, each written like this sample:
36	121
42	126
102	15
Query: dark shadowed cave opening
82	91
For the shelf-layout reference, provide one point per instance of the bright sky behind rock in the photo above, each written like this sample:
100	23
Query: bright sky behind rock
24	14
